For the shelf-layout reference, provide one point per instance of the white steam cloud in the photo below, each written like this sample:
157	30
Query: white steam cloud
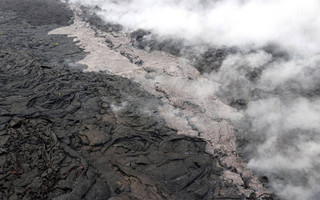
224	22
282	90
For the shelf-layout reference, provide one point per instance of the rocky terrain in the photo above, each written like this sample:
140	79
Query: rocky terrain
85	113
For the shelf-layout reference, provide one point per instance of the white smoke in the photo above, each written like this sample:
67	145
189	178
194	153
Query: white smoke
290	23
283	109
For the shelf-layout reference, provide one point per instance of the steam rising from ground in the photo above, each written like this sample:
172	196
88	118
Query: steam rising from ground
224	22
276	70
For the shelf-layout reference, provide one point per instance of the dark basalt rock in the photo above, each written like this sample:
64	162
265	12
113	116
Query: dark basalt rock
65	128
90	16
66	134
39	12
239	104
143	39
16	33
210	60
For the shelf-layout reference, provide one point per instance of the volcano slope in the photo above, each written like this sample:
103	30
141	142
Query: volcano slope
70	134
